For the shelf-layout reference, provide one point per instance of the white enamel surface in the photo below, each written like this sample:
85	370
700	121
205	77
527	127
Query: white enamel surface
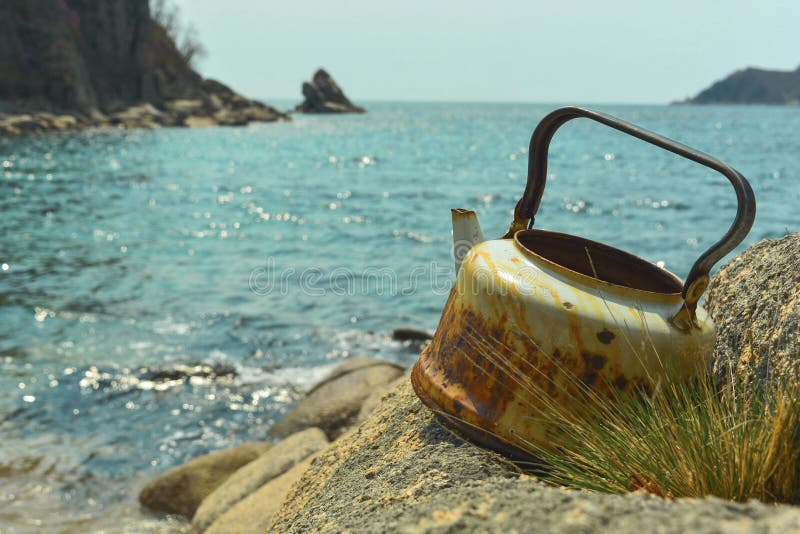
466	233
563	312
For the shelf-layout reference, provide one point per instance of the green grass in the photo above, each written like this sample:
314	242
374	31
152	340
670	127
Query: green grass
689	438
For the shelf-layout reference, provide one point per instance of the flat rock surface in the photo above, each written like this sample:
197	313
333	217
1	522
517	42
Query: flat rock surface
402	471
754	301
273	463
253	515
180	490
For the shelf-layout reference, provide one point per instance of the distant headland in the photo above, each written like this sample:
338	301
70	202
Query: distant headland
753	86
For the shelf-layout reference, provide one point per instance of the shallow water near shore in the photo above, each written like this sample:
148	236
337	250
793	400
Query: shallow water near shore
165	293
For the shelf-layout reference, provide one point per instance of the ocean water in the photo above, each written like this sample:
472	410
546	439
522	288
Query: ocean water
272	252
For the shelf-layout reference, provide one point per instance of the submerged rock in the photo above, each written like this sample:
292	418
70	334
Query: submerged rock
272	464
334	403
402	472
323	95
182	489
187	372
754	301
411	334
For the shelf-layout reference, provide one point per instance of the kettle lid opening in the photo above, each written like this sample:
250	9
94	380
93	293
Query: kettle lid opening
598	261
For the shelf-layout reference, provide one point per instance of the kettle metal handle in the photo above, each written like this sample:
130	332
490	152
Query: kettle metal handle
698	278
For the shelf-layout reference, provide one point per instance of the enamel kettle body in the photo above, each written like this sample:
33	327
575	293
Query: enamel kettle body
536	314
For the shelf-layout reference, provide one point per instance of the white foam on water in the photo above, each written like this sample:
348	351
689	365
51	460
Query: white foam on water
299	378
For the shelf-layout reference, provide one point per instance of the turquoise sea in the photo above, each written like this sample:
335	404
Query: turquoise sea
272	252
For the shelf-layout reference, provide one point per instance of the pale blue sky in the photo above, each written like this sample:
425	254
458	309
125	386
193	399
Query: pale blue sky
514	50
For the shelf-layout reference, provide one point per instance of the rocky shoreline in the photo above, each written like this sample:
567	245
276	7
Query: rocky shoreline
211	104
361	453
218	106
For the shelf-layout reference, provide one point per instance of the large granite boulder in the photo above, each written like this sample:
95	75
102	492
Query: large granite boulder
247	480
401	471
754	301
323	95
182	489
334	403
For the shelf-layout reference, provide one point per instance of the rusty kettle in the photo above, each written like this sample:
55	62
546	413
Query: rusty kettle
540	313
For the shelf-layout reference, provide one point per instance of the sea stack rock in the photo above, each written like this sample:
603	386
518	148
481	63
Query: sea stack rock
323	95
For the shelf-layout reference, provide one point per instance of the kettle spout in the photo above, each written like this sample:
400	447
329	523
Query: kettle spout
466	233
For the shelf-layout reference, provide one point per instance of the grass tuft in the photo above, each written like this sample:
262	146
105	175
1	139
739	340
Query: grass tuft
689	438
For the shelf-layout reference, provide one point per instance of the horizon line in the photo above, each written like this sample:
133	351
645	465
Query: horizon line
468	101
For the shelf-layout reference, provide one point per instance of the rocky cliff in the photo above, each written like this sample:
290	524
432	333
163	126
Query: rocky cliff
91	58
753	86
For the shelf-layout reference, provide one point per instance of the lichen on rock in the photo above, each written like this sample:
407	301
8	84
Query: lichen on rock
754	301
